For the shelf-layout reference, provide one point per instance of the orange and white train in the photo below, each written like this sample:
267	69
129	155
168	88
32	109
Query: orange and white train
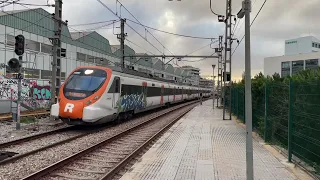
95	95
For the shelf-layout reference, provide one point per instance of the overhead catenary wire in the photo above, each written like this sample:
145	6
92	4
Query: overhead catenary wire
27	25
52	30
187	36
9	3
28	4
144	38
250	25
92	23
67	26
139	46
198	59
108	8
212	10
34	23
61	34
103	4
96	28
2	2
143	26
235	29
201	48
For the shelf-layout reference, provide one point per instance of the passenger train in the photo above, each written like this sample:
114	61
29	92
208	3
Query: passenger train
96	95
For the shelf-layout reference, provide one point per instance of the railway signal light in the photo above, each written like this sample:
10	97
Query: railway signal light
19	45
14	64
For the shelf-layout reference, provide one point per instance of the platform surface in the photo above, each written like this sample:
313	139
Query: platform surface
203	146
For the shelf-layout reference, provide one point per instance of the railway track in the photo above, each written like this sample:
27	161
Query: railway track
39	142
103	160
38	114
16	149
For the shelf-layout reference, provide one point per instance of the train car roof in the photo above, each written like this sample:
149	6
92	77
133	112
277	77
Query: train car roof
146	75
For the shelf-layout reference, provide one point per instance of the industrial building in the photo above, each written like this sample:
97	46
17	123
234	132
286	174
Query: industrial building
78	49
300	54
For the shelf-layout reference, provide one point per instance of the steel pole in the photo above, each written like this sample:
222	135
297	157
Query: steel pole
248	101
56	53
213	95
230	45
220	71
225	61
19	96
122	36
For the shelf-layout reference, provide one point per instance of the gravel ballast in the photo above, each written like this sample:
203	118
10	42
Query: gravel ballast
37	161
8	129
124	146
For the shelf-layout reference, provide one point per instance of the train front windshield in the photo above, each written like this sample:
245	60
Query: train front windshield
83	83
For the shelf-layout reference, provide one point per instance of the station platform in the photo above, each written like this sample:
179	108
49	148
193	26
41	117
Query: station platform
203	146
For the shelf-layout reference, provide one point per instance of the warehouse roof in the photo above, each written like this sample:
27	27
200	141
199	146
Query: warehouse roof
40	22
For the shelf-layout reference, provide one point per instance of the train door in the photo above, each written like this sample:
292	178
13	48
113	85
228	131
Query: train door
182	93
168	92
145	92
174	93
161	94
116	92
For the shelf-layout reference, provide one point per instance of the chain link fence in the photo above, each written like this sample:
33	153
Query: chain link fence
286	114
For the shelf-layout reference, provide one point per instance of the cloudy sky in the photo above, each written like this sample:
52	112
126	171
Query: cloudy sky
279	20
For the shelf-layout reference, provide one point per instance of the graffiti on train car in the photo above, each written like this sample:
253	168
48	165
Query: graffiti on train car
132	102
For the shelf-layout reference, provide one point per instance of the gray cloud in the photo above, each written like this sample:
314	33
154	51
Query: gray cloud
278	20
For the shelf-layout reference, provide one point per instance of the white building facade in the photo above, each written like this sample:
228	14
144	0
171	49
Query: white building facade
300	54
302	45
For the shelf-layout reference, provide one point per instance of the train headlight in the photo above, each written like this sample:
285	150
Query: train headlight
88	71
97	97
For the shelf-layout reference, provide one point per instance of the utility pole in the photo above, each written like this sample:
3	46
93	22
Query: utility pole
220	71
56	41
248	91
19	95
229	49
245	11
122	38
227	58
213	83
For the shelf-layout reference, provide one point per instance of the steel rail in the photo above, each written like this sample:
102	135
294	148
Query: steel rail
36	136
136	152
60	164
9	117
17	157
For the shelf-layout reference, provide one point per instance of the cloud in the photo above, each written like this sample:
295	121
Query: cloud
278	20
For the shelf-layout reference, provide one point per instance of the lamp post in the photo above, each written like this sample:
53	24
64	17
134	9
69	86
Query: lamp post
213	83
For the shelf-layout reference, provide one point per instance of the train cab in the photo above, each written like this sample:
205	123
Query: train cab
80	96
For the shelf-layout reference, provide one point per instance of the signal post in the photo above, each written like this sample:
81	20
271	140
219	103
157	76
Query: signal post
15	66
